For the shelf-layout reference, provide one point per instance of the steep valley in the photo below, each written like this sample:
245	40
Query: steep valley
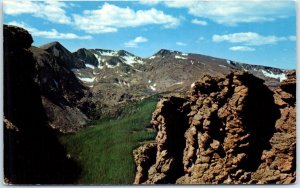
77	117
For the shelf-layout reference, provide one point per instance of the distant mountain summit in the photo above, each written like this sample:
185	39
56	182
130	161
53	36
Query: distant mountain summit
64	56
164	52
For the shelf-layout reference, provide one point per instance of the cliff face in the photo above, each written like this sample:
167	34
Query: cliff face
32	153
63	96
230	130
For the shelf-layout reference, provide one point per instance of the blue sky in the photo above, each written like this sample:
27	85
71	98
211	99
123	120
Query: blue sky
259	32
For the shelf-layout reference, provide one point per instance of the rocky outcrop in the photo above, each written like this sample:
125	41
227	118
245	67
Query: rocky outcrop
230	130
279	162
32	152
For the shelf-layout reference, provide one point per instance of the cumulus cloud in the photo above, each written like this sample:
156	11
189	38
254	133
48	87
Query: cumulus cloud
53	11
134	42
242	48
234	12
248	38
181	44
199	22
109	18
52	34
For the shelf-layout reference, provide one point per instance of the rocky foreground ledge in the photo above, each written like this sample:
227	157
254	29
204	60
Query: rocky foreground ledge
230	130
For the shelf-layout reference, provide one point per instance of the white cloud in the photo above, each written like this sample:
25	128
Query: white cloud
150	2
199	22
248	38
52	34
109	18
134	42
242	48
235	12
181	44
52	11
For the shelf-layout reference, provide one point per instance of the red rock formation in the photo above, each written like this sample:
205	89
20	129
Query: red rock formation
230	130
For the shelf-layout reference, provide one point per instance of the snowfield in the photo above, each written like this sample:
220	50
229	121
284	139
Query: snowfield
281	76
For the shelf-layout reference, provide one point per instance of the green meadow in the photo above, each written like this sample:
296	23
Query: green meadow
104	149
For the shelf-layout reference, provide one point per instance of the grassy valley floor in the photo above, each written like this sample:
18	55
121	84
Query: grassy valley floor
104	149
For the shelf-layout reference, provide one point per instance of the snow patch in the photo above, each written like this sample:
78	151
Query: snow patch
223	66
138	70
152	57
192	85
98	57
130	60
184	54
149	81
281	76
108	53
112	66
139	61
179	57
152	88
90	66
178	83
78	73
126	84
86	79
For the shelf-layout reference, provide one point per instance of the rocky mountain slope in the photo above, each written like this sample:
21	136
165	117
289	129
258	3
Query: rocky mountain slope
63	96
115	78
231	130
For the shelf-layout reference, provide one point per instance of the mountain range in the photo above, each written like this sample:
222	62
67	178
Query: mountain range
114	78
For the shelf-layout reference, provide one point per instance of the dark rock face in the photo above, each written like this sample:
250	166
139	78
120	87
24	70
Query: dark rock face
86	56
124	53
62	92
64	57
230	130
164	53
32	153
